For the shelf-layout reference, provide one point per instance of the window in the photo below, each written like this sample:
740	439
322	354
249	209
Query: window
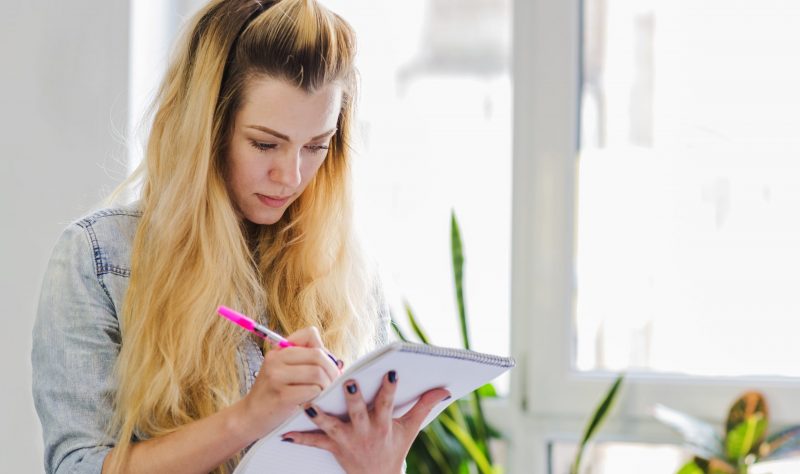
688	181
636	175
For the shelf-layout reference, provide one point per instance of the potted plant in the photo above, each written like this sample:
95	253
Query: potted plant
457	441
743	444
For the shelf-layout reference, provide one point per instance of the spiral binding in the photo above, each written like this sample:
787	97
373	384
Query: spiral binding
461	354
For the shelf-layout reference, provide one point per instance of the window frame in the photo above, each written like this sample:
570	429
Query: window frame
549	399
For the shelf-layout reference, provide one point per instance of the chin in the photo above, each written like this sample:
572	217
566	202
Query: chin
264	218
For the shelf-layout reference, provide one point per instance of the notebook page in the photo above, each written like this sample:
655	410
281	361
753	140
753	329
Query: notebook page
418	370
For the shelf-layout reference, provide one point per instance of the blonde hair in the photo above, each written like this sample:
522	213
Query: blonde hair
191	253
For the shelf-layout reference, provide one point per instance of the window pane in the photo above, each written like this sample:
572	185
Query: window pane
619	458
435	135
688	240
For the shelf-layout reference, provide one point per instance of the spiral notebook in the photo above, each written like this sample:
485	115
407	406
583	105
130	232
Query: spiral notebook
419	368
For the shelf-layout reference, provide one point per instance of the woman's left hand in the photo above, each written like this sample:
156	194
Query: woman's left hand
372	441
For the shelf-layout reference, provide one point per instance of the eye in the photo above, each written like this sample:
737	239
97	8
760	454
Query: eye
317	148
263	146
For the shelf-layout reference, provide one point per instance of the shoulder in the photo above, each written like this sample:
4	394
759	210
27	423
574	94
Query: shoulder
108	236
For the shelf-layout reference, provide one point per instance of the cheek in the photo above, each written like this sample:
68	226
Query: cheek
310	168
241	168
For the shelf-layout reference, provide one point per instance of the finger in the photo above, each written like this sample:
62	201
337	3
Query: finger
356	407
414	417
314	439
310	338
383	406
330	425
304	375
307	337
306	356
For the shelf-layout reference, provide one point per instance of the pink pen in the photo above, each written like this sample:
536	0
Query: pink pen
260	330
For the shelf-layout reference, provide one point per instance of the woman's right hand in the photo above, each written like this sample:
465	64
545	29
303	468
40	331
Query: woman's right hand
288	377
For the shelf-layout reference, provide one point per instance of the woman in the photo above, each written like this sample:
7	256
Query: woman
245	202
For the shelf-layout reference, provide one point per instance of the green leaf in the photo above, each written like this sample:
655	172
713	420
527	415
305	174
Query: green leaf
448	443
487	391
597	419
484	466
414	325
433	448
746	425
748	405
700	437
456	248
745	437
458	276
397	330
691	468
460	434
700	465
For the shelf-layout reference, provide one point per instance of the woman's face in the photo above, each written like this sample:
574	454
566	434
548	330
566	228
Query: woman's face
280	138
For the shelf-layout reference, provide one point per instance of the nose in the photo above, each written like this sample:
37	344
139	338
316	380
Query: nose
286	169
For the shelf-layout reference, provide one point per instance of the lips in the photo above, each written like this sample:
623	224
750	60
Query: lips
273	201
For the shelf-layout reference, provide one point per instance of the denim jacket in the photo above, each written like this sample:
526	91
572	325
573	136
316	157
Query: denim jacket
77	337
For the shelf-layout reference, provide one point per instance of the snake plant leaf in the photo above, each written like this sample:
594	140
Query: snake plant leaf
477	454
783	443
601	412
440	447
417	462
448	442
750	404
699	436
398	331
456	250
472	425
745	437
414	324
456	442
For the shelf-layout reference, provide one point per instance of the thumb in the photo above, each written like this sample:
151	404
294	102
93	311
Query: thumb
414	417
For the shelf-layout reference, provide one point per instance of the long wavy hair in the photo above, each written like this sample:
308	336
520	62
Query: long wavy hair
192	252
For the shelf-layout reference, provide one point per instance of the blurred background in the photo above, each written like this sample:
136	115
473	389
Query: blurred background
624	173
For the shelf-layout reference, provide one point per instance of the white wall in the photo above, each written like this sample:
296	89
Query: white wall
63	101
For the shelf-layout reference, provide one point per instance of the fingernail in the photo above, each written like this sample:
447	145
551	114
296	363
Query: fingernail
447	398
311	412
392	376
288	440
351	388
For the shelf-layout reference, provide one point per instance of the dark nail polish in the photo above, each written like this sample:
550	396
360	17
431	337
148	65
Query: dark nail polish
392	376
311	412
351	388
288	440
447	398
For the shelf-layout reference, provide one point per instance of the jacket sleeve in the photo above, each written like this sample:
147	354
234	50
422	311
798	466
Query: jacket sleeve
76	340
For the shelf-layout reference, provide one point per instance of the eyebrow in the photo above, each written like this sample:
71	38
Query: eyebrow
286	137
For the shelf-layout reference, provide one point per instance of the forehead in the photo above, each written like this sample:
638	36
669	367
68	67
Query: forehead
283	107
